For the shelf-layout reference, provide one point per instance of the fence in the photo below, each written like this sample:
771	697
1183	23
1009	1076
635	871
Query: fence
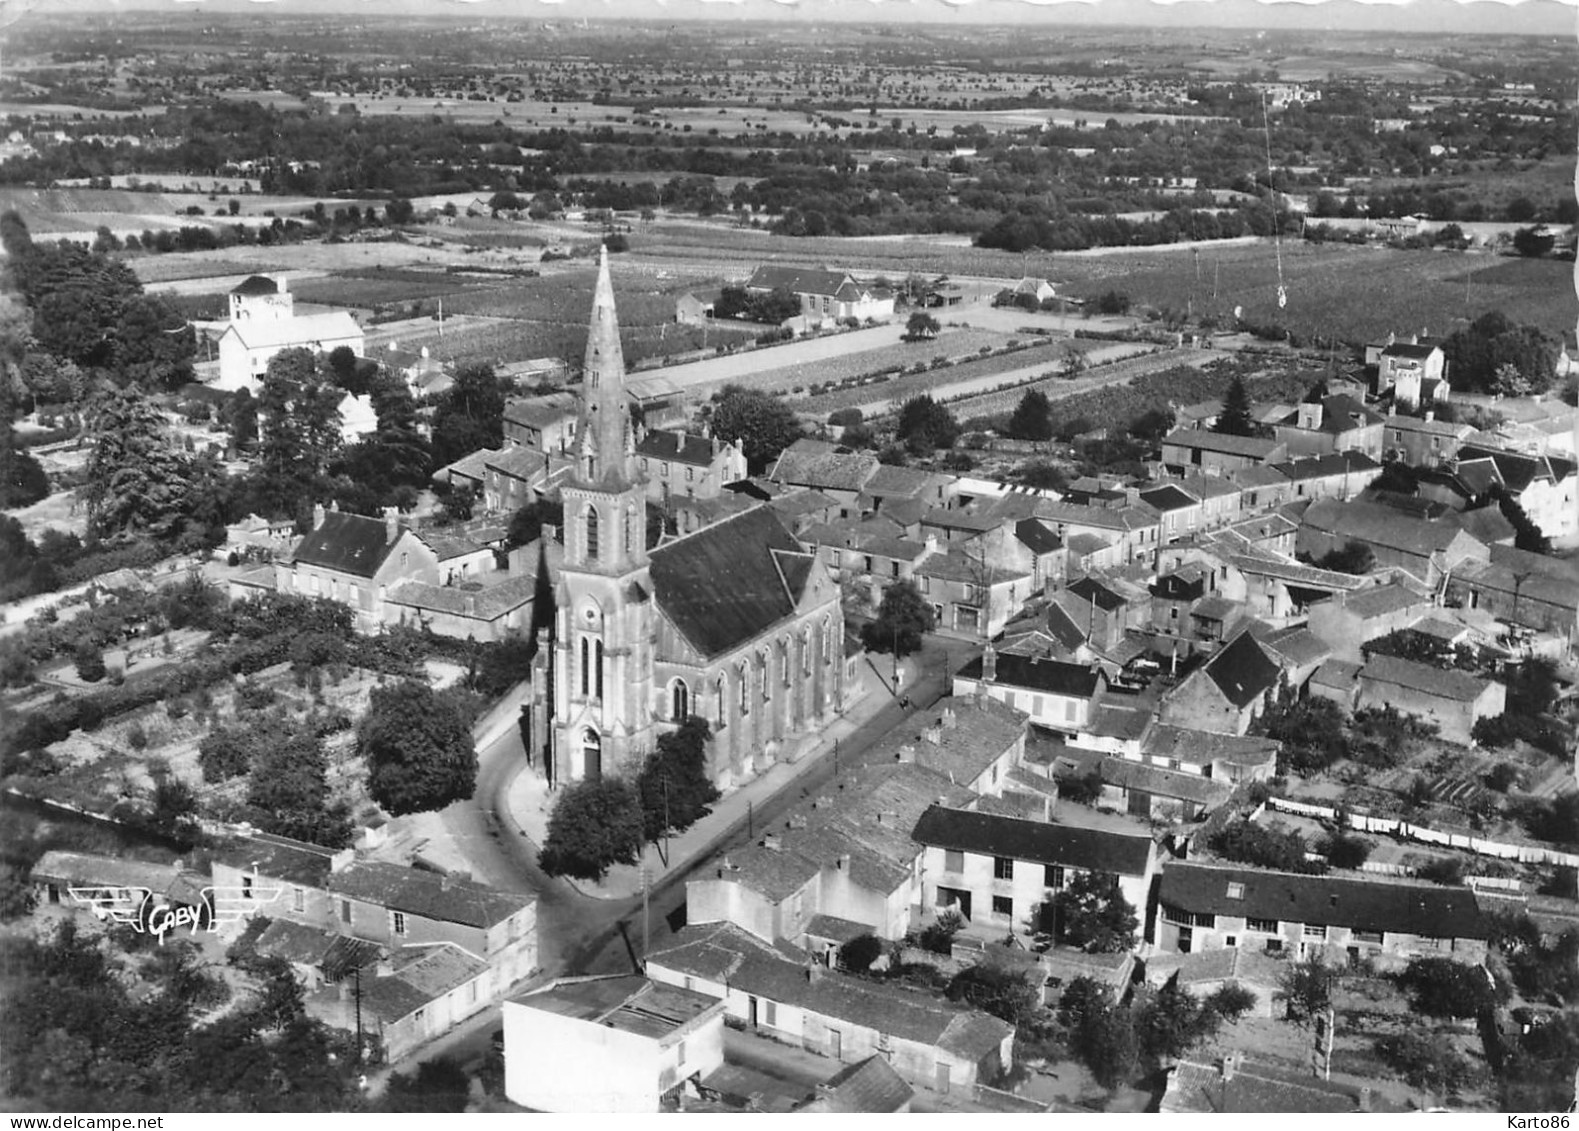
1393	826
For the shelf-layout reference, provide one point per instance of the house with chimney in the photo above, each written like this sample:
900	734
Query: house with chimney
1347	621
1056	695
1237	1085
782	994
1454	701
1427	551
1337	919
1215	453
826	297
1226	693
1000	872
1413	373
1422	441
1521	588
689	465
819	465
1337	475
263	322
544	424
1331	425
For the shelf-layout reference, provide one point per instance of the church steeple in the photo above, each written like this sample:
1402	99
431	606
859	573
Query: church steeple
605	444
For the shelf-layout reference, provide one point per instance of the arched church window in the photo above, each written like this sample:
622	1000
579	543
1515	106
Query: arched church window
764	665
586	666
721	700
598	669
680	707
592	533
745	687
784	660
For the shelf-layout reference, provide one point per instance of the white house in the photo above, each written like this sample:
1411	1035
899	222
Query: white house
608	1044
246	347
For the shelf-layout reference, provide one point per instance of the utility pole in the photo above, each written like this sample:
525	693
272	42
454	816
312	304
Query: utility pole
646	917
356	980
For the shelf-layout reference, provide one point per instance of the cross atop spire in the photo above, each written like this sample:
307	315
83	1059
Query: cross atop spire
605	442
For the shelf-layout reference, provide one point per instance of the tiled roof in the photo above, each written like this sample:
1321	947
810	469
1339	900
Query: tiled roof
1252	447
1199	747
1443	683
1201	1089
1297	646
1040	842
278	858
900	482
731	581
1338	901
1257	475
959	737
868	1087
1038	674
1103	518
347	543
1210	486
1163	782
542	411
1243	670
473	466
1339	413
428	894
1334	463
486	604
630	1003
806	466
958	565
85	870
1380	601
1381	526
1487	524
1338	674
676	447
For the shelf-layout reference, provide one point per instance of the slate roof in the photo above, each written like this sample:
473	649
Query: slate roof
1096	850
256	285
1200	747
800	280
1443	683
1243	670
676	447
731	581
1417	350
347	543
1170	498
428	894
1039	674
1339	413
542	411
1094	592
1333	463
1338	901
1517	469
302	330
868	1087
1036	537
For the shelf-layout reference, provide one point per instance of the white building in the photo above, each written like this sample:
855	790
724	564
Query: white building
608	1044
246	347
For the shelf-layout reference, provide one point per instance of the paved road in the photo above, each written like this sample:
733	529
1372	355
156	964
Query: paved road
580	934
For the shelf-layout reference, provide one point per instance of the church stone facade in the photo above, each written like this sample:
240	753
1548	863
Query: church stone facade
734	623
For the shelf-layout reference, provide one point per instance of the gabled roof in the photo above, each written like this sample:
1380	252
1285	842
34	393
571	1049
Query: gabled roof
800	280
1091	590
542	411
1297	646
1381	526
1417	350
731	581
868	1087
1442	683
86	870
1201	1089
1252	447
428	894
900	482
1036	537
1338	901
811	464
961	736
1380	601
303	330
1333	463
1201	748
278	858
1243	670
1339	413
347	543
1040	842
1170	498
1517	469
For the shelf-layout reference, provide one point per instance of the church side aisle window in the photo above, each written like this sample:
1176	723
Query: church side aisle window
586	667
598	669
682	701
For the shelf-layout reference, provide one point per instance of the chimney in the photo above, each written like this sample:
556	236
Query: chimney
471	605
1392	410
550	532
679	438
771	841
1230	1066
318	513
391	525
1365	1099
907	753
392	346
934	734
1430	415
844	862
948	720
989	663
282	283
1310	416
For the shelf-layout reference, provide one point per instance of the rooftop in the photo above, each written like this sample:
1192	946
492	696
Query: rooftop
1243	670
1443	683
1251	447
629	1003
1200	747
428	894
1202	1089
347	543
1039	674
1040	842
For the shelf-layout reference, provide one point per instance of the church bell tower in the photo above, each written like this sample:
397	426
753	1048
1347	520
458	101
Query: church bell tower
604	648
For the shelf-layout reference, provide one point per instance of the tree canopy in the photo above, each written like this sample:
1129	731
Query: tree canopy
419	749
470	415
924	426
1494	354
1235	419
761	423
1032	418
1091	913
675	787
299	414
596	823
903	617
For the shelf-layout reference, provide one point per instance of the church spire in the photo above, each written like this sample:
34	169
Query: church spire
605	442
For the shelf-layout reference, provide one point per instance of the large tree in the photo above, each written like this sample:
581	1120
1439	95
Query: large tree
137	480
761	423
299	411
925	426
1494	354
1032	418
596	823
902	619
288	790
676	790
394	455
1091	913
1235	419
470	416
419	748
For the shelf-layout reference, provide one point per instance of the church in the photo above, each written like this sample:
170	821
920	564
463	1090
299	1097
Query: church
735	623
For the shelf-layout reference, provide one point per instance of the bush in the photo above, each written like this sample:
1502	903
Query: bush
90	662
859	953
938	937
1448	870
1344	851
1231	1002
1440	987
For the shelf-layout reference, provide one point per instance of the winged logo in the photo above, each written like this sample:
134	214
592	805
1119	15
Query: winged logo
148	913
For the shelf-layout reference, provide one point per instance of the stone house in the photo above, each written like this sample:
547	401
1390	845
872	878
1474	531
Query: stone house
1453	700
